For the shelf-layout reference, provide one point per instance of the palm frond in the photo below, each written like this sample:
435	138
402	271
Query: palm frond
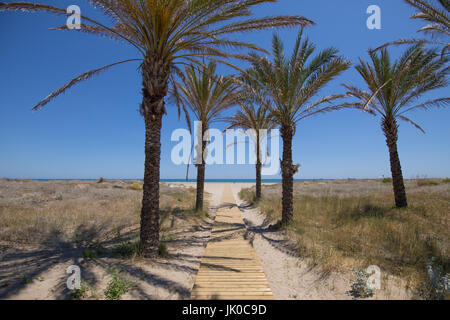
36	7
411	122
82	77
435	103
438	23
393	86
176	32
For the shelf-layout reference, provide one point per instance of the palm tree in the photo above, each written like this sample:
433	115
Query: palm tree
257	119
206	94
436	14
166	34
291	85
393	91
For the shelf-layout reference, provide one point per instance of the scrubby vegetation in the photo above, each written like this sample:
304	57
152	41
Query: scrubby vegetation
427	182
80	293
347	232
136	186
117	287
85	215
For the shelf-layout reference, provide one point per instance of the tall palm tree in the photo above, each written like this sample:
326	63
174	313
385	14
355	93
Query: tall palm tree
206	95
257	119
436	14
166	34
292	85
393	91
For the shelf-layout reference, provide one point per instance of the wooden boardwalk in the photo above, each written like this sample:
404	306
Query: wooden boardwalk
230	268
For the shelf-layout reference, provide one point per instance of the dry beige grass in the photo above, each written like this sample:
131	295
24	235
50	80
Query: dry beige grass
340	227
79	214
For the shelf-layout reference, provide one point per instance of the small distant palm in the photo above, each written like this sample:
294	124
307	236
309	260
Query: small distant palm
291	85
206	95
248	117
393	91
436	14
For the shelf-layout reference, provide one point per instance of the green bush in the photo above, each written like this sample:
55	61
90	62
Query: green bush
426	182
387	180
88	254
117	287
80	293
359	287
26	280
163	252
127	250
136	186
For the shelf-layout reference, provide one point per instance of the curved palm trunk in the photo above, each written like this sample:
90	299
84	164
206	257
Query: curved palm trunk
391	133
201	179
258	169
155	85
287	171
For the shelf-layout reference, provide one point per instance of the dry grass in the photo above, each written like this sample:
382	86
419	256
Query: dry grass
79	219
75	222
427	182
352	231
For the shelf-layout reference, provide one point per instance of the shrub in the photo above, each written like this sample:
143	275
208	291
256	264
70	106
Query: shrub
163	252
117	286
426	182
387	180
446	180
26	280
359	287
437	285
248	195
127	250
136	186
80	293
88	254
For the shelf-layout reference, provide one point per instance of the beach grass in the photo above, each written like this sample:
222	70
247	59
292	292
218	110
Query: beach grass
85	219
340	233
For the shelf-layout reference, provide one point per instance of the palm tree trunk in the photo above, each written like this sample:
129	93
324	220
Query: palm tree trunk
200	186
258	168
287	171
201	178
150	199
390	129
155	75
258	180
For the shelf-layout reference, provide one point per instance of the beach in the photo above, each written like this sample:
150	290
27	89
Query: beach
49	225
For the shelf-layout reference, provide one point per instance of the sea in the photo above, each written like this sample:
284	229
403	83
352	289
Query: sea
192	180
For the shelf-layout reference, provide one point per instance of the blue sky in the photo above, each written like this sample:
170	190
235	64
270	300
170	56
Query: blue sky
95	128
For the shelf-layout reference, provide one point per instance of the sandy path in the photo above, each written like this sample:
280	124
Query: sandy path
230	268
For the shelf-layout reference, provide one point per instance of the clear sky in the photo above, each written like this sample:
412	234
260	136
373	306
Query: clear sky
95	128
